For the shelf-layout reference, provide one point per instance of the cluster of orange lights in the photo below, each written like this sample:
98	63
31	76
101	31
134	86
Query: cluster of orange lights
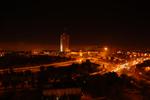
147	69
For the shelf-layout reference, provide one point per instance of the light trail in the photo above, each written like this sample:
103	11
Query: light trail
37	67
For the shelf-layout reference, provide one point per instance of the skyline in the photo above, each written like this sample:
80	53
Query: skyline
110	23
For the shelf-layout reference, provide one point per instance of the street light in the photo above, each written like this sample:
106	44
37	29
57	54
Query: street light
105	49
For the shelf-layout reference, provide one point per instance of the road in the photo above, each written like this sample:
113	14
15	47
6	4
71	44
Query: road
37	67
128	68
105	66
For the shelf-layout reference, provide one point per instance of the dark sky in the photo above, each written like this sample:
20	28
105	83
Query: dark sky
26	24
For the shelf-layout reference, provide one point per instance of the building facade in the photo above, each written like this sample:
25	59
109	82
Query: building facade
64	42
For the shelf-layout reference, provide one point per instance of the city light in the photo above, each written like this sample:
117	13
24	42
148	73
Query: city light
80	53
105	48
147	68
64	43
63	52
61	47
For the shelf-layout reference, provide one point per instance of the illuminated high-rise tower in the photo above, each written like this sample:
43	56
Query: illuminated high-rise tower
64	42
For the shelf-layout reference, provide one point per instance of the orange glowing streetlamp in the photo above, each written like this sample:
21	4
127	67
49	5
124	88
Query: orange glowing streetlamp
105	49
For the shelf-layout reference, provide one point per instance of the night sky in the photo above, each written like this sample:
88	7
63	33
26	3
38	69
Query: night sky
28	24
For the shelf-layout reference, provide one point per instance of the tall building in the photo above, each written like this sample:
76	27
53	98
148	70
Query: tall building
64	42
